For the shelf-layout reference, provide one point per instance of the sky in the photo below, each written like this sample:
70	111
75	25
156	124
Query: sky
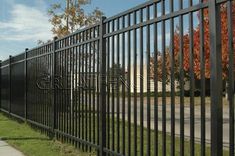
24	22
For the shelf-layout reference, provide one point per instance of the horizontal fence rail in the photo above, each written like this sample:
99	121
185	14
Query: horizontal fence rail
157	79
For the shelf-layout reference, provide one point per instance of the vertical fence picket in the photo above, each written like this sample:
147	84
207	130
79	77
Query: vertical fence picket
141	87
102	83
163	41
192	83
135	86
53	87
123	90
172	79
231	77
156	141
216	80
148	152
181	80
202	66
9	77
25	84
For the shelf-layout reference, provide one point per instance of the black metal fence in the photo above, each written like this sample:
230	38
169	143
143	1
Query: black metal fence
148	81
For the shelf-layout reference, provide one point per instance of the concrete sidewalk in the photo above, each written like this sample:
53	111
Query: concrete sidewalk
7	150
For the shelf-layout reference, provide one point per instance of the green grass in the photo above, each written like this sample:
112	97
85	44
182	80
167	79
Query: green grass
187	148
33	143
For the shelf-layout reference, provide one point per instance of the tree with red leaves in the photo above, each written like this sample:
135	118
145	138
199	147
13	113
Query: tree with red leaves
196	48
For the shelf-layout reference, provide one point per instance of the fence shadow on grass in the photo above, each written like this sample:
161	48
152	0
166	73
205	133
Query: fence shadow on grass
24	138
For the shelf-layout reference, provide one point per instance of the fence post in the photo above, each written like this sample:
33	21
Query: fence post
216	80
25	83
9	106
102	135
53	116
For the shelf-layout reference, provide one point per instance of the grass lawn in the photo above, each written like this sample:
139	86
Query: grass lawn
33	143
160	145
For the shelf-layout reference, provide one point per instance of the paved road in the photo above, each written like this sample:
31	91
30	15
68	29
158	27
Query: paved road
177	118
7	150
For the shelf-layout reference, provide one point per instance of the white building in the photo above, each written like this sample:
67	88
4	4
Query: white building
144	77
